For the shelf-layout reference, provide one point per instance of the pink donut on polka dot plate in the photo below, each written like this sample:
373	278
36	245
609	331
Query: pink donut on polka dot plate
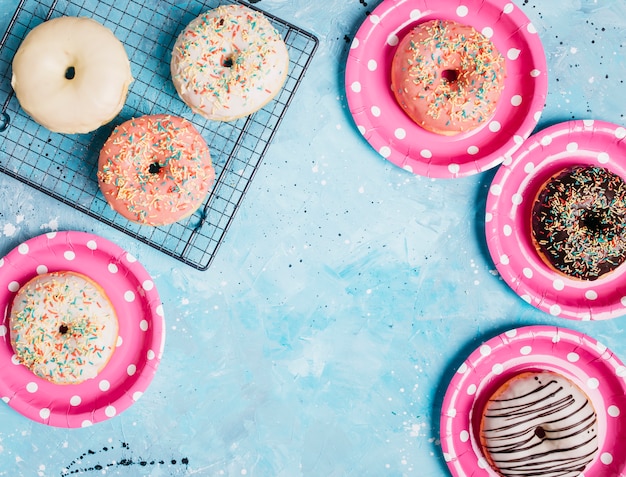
507	221
391	132
140	340
583	360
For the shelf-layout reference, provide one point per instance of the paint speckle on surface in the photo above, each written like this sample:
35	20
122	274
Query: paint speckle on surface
52	225
112	458
9	230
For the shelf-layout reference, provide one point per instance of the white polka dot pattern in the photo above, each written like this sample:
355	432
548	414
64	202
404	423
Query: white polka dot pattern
378	117
136	300
515	184
576	356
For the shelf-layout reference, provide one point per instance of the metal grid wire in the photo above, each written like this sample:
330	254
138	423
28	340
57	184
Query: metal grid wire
65	166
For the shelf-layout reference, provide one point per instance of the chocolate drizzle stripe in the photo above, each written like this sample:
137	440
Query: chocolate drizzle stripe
570	401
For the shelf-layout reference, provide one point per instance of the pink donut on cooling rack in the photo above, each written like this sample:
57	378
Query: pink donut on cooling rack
447	77
155	170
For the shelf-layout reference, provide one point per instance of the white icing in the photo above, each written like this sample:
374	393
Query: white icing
97	91
228	63
63	327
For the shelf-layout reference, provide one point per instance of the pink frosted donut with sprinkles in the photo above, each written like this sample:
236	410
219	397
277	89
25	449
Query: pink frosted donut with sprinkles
155	170
63	327
229	62
447	77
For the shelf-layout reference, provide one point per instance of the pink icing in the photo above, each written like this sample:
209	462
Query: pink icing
155	169
447	76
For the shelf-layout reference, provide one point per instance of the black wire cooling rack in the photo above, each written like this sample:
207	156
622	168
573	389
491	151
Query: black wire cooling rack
65	166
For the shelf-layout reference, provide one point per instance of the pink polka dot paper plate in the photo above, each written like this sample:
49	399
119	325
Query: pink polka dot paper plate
577	357
395	136
139	345
508	212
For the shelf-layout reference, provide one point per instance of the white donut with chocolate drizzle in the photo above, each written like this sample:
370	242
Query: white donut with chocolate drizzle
539	423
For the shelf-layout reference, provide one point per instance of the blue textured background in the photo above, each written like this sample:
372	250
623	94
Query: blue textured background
322	338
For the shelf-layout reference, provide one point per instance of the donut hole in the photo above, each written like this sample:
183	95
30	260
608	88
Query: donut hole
540	432
70	73
227	62
63	329
154	168
598	222
450	75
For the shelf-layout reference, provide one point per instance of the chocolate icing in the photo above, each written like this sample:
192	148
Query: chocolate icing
578	222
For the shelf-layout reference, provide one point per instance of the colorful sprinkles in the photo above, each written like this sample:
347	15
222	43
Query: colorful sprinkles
579	221
447	76
229	62
155	169
63	327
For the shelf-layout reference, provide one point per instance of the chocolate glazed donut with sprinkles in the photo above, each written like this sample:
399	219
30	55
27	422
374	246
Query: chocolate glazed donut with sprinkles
447	77
578	222
155	170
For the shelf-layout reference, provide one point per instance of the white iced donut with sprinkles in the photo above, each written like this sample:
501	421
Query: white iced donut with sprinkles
229	62
63	327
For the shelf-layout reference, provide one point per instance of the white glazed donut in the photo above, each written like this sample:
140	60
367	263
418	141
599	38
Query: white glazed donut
71	75
228	63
